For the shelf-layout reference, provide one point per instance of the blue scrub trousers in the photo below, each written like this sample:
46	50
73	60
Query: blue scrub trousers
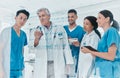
16	74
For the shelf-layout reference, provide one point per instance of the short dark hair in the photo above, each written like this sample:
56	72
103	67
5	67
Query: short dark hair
24	12
72	11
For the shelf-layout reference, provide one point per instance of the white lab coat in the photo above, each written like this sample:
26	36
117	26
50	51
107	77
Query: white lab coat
86	61
5	39
61	54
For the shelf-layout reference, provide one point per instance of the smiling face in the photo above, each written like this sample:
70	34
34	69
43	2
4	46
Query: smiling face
101	20
44	17
87	26
20	19
72	18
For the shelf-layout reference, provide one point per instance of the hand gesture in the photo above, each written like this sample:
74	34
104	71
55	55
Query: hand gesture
38	34
76	43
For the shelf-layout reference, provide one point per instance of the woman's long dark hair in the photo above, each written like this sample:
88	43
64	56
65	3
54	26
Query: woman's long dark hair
107	13
115	25
93	20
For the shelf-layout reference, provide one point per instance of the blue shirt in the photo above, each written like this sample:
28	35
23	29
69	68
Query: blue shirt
108	68
17	44
78	32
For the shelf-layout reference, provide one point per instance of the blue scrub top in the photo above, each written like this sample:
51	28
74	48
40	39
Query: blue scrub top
17	44
78	32
108	69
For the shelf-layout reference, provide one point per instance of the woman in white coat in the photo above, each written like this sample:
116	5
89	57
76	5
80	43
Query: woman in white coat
59	48
91	38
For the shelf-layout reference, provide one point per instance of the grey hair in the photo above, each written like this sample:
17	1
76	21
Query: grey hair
43	9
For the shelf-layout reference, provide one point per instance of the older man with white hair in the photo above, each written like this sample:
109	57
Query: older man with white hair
52	48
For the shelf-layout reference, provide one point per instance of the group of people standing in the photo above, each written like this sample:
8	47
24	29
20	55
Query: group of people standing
68	51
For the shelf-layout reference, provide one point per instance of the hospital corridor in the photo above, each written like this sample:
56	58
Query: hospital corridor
57	38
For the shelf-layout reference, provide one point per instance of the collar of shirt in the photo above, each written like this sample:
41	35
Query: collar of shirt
72	28
91	33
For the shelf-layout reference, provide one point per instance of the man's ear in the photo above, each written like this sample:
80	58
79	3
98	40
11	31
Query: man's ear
76	17
15	17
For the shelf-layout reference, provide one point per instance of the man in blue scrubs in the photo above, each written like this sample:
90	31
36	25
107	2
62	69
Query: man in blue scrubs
17	40
75	34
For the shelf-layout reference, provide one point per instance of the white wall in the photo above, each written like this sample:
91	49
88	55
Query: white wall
84	11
